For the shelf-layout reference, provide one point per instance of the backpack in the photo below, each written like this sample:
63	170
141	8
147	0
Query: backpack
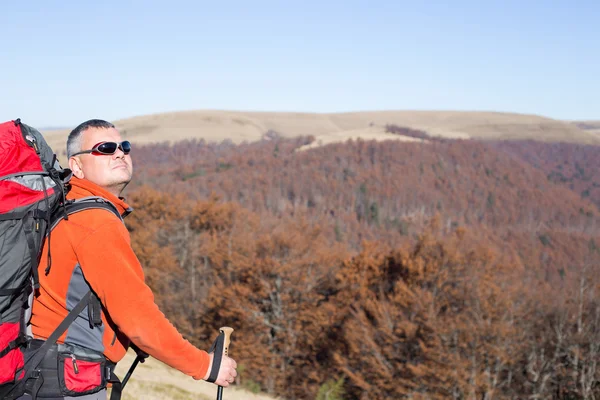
33	189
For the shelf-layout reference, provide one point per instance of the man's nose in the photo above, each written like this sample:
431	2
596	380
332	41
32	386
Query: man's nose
119	153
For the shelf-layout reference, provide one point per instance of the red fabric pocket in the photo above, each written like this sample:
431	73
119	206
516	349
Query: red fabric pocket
14	360
82	376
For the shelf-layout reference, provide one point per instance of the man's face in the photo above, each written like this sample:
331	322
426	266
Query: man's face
111	172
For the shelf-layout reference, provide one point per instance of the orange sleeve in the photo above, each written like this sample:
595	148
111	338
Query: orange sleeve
114	272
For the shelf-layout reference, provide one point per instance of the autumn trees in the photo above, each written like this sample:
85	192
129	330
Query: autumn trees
402	270
431	320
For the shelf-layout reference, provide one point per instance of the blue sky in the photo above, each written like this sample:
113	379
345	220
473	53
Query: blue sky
67	61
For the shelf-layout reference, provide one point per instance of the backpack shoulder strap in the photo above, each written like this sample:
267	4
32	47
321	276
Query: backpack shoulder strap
82	204
71	207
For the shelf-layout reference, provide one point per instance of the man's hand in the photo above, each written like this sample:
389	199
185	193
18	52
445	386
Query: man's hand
227	371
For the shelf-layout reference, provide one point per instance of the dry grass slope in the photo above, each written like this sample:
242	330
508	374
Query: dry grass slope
239	126
153	380
592	127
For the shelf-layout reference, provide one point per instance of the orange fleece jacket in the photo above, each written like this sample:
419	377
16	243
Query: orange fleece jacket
99	242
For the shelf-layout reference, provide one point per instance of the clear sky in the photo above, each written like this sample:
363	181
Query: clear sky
66	61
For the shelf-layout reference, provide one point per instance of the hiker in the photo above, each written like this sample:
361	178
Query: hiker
91	250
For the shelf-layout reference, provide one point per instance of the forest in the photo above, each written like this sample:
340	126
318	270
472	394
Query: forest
440	269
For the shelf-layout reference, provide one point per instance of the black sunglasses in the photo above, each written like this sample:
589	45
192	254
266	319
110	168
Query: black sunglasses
107	148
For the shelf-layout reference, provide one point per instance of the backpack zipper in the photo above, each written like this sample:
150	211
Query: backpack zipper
35	146
75	367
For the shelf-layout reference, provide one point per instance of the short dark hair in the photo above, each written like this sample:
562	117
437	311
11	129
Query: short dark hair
74	140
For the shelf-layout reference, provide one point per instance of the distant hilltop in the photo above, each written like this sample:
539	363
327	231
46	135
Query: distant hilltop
240	126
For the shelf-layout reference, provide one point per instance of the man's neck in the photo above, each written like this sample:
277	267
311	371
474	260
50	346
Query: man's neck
114	190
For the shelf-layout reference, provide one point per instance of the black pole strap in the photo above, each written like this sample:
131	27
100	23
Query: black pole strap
217	350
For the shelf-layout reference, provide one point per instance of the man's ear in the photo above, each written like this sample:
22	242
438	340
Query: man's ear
75	166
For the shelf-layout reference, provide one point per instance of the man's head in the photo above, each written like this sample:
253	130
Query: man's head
110	171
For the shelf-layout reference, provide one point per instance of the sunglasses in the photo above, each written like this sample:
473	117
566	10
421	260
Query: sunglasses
107	148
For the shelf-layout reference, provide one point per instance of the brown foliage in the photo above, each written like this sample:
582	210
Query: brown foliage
567	164
430	320
447	270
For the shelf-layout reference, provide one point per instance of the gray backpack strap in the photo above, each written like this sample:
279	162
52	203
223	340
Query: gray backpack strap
74	206
85	203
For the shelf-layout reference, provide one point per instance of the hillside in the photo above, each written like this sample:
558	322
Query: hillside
238	126
592	127
457	177
387	191
570	165
400	269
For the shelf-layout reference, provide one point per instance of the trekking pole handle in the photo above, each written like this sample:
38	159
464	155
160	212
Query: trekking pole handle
226	331
227	338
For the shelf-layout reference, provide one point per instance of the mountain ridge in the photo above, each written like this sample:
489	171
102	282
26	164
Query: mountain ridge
249	126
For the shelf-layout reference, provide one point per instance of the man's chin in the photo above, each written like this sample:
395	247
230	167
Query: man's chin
121	175
119	185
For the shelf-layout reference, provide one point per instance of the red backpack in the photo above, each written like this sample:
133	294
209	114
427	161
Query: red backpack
32	187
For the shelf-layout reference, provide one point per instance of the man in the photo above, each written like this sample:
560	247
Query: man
91	250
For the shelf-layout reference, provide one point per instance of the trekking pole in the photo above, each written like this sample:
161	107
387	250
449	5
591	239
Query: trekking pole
226	331
118	386
141	357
